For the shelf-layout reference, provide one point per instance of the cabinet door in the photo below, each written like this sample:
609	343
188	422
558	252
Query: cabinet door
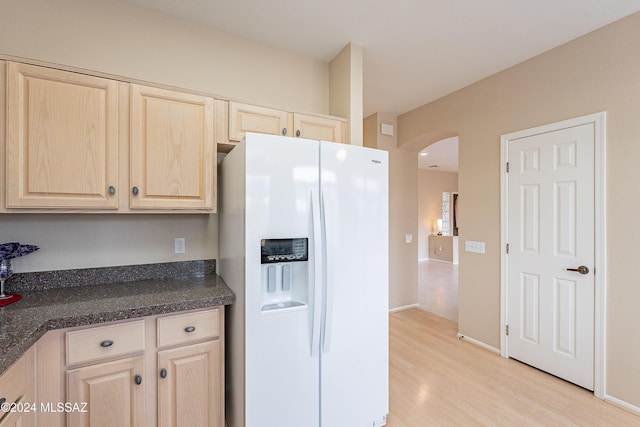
190	394
111	394
252	118
17	386
173	163
14	419
320	128
62	146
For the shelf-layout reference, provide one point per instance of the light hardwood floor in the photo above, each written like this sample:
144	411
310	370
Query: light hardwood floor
438	288
439	380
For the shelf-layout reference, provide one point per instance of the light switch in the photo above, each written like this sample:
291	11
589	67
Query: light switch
471	246
408	238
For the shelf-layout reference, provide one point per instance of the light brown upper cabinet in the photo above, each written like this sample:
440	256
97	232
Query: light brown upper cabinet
235	118
61	139
79	143
252	118
316	127
173	151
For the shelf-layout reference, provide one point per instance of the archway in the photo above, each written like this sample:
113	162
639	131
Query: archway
437	233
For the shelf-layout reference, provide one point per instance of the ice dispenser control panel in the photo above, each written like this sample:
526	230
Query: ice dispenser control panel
284	274
284	250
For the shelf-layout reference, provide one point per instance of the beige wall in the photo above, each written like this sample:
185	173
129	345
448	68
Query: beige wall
431	185
346	86
403	212
597	72
111	37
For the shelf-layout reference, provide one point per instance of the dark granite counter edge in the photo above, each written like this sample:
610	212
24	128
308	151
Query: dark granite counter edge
201	288
13	353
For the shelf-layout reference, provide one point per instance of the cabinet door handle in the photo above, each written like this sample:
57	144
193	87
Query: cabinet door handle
284	131
112	190
298	132
138	379
135	191
163	373
190	329
106	343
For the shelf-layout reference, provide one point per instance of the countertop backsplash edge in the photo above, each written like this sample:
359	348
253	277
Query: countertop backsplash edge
58	279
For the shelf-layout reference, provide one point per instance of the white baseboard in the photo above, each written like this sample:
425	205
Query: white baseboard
404	307
478	343
443	261
622	404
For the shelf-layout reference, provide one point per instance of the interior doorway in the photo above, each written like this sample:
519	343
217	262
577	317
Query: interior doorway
437	228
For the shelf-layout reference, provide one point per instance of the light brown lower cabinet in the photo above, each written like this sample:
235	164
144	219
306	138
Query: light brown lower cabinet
17	393
165	370
189	383
14	419
107	394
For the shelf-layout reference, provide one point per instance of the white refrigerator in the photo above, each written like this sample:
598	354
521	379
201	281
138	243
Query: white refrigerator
303	243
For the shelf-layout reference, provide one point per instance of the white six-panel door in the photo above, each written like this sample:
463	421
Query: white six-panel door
550	230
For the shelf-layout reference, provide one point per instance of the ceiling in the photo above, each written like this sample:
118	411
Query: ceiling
415	51
440	156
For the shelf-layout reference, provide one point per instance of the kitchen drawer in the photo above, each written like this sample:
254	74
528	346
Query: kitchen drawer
13	383
183	328
85	345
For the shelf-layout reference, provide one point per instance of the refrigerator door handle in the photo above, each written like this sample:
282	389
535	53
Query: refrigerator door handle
316	272
328	279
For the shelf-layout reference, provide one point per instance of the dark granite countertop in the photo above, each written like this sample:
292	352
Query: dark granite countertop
24	322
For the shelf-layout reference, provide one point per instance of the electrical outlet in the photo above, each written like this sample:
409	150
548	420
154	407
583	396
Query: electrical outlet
471	246
179	245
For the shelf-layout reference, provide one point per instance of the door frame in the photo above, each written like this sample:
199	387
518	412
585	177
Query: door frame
599	169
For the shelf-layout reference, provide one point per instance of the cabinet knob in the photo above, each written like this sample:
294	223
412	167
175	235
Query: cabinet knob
163	373
298	132
190	329
106	343
112	190
284	131
138	379
135	191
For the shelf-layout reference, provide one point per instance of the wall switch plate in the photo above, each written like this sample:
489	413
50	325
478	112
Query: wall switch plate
179	245
471	246
408	238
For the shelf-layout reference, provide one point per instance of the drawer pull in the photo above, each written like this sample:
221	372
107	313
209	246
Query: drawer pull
106	343
163	373
190	329
138	379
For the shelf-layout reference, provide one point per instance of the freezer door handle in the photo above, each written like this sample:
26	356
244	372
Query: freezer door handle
327	276
315	272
